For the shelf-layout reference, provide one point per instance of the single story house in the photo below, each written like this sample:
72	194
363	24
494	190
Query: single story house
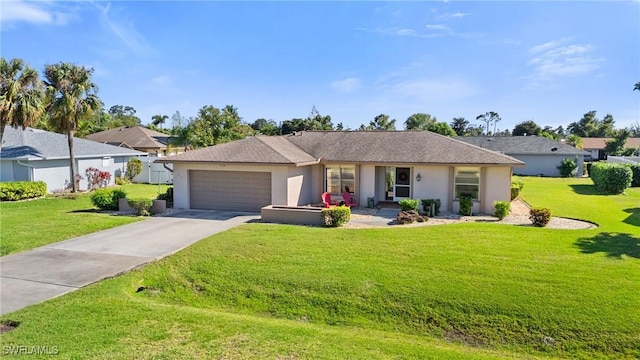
595	146
39	155
542	155
295	169
139	138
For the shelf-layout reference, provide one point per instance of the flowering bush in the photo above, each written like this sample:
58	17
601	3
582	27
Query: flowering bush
97	178
540	216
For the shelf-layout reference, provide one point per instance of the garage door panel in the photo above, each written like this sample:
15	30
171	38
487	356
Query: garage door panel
229	190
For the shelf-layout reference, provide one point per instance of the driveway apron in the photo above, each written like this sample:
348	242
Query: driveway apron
36	275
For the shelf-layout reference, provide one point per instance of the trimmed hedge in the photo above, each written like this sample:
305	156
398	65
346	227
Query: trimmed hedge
635	169
611	178
540	216
107	199
466	205
408	204
501	209
516	187
336	216
20	190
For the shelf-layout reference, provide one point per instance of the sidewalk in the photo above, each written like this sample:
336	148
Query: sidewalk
36	275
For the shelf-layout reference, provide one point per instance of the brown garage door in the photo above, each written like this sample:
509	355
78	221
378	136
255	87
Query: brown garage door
229	190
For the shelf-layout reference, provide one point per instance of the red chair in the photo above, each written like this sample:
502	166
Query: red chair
326	199
348	200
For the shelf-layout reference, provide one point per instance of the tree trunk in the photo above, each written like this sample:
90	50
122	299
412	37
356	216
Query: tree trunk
1	134
72	161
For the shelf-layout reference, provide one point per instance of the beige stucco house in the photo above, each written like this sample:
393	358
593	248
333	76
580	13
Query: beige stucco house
296	169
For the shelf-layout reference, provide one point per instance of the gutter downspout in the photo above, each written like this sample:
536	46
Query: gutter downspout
29	166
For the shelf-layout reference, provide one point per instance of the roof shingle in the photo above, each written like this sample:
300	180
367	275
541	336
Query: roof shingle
520	145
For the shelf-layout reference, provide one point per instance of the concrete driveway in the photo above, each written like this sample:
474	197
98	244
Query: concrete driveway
36	275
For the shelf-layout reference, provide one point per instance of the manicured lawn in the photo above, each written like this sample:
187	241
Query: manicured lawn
477	290
29	224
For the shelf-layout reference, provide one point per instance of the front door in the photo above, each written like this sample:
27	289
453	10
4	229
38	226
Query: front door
402	188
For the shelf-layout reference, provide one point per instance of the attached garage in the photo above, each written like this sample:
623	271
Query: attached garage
229	190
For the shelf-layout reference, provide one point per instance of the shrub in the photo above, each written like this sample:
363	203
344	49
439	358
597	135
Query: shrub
121	180
516	187
408	204
426	206
134	167
635	171
142	205
97	178
587	168
568	167
466	205
501	209
336	216
611	178
107	199
167	196
19	190
540	216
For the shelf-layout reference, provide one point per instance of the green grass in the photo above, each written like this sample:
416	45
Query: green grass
29	224
474	290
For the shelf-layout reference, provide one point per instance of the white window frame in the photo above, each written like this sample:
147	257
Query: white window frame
352	183
463	183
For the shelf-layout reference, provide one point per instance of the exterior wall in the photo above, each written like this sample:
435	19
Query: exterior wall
6	170
279	180
545	165
299	186
495	184
367	184
434	184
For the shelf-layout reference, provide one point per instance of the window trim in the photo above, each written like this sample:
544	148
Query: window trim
353	188
476	170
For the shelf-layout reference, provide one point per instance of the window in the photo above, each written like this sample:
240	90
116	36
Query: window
340	176
467	182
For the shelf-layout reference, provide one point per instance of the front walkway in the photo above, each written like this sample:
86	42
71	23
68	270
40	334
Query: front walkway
36	275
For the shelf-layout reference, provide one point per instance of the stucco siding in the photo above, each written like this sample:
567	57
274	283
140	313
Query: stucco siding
6	170
545	165
433	184
367	184
53	172
299	186
495	185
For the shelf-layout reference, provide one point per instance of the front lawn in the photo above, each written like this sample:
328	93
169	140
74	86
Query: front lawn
29	224
475	290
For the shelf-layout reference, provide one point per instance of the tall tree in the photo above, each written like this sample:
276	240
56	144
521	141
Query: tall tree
575	141
442	128
265	127
525	128
21	95
73	99
590	126
123	115
637	86
420	121
380	123
488	118
615	147
159	120
459	125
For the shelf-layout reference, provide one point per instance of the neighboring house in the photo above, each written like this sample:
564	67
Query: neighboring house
296	169
139	138
542	155
596	146
39	155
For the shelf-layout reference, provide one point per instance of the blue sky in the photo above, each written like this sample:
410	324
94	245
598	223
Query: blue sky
550	62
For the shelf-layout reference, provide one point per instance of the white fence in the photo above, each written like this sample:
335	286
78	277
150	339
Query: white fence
623	159
153	173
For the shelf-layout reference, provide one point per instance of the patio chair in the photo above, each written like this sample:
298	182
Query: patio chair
326	199
348	200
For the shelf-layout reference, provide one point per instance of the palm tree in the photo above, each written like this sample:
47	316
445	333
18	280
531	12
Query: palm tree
21	95
159	120
73	100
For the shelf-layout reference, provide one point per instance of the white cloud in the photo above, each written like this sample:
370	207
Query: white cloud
436	27
35	13
346	85
125	30
432	89
557	59
456	15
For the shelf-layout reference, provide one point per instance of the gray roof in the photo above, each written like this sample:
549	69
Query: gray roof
380	147
521	145
36	144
